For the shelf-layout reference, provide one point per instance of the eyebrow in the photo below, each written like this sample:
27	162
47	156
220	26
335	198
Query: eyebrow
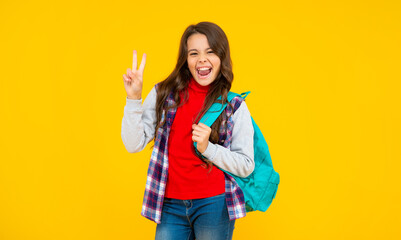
197	49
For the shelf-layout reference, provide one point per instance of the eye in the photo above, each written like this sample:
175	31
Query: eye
210	52
193	53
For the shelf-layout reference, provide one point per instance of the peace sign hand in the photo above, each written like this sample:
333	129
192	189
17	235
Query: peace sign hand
133	79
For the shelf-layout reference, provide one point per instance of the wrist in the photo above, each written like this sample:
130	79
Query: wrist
203	148
137	97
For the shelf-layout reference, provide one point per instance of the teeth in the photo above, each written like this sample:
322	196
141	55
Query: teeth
204	68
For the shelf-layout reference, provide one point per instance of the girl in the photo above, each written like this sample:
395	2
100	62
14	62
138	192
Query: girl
187	196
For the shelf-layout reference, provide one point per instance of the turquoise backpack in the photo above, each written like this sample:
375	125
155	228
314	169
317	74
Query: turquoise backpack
260	187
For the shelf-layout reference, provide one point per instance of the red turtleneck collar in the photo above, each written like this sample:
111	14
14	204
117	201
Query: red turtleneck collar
197	87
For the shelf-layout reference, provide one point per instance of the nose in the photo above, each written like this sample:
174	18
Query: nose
202	58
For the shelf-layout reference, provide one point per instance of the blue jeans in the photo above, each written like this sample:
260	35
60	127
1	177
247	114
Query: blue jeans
203	219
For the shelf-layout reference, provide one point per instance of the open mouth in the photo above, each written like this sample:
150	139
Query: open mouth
204	72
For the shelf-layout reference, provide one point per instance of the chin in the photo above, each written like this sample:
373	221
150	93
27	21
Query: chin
204	82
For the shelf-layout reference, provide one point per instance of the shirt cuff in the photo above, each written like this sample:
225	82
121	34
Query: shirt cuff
210	151
133	104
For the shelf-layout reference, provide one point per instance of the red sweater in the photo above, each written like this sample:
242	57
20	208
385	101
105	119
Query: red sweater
188	178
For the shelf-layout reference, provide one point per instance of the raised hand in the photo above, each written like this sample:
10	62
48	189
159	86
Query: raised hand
133	79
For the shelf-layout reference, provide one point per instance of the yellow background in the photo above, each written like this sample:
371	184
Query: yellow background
325	89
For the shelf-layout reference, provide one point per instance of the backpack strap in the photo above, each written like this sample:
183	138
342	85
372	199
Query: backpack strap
217	108
245	93
214	112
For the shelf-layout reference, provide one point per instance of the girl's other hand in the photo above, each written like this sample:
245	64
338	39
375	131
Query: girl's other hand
133	79
200	134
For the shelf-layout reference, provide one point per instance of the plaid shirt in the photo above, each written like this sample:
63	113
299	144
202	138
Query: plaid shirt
158	168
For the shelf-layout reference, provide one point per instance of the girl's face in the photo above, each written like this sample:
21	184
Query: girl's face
203	63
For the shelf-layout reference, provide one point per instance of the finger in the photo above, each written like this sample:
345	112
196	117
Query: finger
142	66
126	78
201	130
204	129
134	64
201	136
202	125
130	74
196	127
196	133
196	139
199	126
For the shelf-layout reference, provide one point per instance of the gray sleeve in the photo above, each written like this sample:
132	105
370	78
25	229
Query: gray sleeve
239	159
139	122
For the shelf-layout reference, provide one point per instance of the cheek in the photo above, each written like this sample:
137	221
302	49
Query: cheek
217	63
191	64
219	66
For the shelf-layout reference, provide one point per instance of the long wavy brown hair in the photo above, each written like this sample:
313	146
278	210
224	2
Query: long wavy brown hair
178	80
